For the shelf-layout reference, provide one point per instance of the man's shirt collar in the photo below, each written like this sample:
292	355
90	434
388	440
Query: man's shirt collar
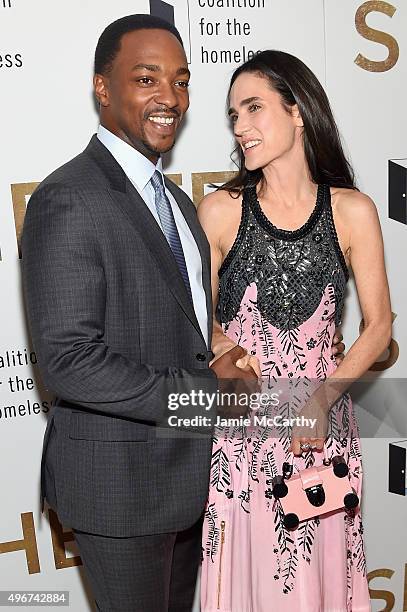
138	168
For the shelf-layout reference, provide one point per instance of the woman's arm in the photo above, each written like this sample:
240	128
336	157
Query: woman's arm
366	257
358	217
219	215
212	222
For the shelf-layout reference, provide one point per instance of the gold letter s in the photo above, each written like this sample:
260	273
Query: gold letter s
376	36
386	595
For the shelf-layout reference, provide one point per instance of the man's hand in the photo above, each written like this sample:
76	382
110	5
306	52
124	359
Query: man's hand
338	347
239	381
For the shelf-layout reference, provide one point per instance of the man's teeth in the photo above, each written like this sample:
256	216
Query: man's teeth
250	144
164	120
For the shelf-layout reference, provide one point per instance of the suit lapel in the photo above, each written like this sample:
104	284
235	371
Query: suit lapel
127	198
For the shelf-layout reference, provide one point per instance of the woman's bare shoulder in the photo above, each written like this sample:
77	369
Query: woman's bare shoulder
353	206
219	205
220	197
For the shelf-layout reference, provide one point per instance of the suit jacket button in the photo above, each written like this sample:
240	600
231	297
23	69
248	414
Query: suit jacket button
201	357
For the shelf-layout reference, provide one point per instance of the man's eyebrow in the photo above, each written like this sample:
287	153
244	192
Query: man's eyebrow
183	70
156	68
244	102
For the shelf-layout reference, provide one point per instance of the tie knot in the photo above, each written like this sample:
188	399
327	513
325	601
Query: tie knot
157	181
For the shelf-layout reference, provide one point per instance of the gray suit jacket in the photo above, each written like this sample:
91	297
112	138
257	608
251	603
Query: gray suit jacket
114	331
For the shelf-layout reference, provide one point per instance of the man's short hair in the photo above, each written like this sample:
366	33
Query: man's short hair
109	42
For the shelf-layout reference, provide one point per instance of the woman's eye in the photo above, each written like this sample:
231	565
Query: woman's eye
233	118
253	108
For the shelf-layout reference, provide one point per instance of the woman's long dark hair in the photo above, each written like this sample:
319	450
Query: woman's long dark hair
297	84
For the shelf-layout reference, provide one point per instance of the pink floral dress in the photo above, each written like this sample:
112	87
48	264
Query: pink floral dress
281	296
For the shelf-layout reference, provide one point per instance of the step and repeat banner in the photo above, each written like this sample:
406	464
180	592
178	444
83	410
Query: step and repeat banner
47	115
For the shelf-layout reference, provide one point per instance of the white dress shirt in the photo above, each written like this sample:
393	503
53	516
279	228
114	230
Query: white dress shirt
139	170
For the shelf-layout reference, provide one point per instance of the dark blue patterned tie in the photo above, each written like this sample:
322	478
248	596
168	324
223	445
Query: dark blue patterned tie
169	227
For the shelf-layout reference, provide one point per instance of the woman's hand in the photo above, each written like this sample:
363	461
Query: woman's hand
221	344
313	430
338	347
252	361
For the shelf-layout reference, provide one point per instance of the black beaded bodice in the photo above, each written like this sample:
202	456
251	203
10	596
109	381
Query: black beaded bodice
291	269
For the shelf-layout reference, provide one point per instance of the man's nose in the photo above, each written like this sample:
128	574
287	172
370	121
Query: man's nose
167	95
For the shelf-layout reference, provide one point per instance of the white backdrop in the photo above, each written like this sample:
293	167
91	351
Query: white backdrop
47	116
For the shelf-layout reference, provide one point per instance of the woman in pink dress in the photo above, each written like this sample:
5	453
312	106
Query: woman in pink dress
283	235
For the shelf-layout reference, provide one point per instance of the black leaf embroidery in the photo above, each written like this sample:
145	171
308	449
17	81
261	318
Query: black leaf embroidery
306	537
212	542
220	471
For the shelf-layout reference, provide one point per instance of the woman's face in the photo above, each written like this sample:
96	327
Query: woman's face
262	126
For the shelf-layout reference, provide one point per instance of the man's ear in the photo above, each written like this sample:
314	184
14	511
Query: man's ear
297	116
101	89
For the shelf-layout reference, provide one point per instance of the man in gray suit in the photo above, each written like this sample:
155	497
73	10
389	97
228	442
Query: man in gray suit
117	284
